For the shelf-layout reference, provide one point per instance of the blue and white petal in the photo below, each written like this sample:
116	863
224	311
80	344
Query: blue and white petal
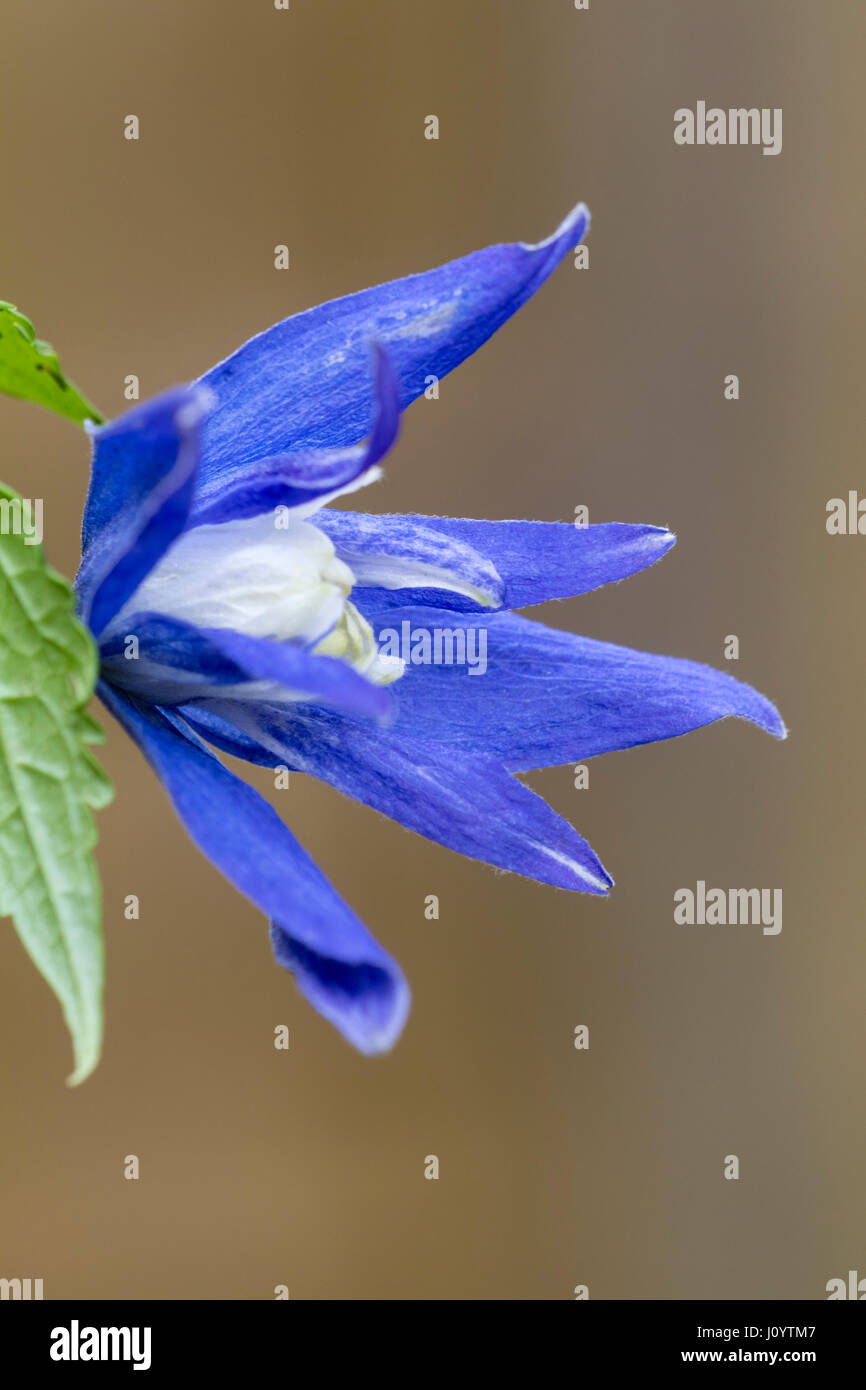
169	662
399	553
462	564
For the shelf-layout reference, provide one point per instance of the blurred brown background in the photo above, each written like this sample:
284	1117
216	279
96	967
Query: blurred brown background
557	1167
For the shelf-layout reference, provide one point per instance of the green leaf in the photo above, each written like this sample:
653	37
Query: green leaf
29	369
49	780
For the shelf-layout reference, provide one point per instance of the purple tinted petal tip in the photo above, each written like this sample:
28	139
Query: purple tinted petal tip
665	538
772	720
571	230
746	702
366	1001
653	541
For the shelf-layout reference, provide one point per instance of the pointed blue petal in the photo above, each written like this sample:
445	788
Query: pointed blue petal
303	384
338	965
461	564
468	803
549	697
143	476
177	662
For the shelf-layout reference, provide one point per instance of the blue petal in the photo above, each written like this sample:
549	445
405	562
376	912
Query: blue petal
178	662
400	554
468	803
550	697
216	729
143	476
508	564
338	965
369	1004
307	479
303	385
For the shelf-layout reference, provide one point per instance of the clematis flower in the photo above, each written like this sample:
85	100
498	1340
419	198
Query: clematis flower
234	612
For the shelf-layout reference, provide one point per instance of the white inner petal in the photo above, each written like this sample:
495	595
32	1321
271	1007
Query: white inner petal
265	576
252	576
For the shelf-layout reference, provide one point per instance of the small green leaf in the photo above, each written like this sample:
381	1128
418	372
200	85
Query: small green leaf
49	881
30	370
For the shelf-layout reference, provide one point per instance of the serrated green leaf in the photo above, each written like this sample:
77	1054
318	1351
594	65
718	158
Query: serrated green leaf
29	369
49	781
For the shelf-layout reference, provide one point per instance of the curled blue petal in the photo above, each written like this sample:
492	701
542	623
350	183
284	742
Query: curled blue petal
176	662
306	481
143	477
396	554
302	384
362	1001
339	966
460	564
547	697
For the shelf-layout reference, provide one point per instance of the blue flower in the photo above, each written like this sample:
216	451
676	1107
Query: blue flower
230	609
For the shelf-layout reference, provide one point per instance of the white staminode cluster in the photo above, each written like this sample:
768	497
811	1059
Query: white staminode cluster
283	582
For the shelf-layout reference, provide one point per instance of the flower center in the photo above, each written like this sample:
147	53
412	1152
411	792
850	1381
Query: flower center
286	583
